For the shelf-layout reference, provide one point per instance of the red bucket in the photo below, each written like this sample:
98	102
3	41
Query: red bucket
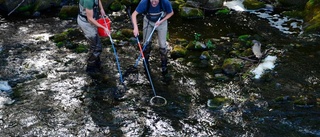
106	23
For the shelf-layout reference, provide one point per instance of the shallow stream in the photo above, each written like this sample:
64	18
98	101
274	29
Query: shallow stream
51	95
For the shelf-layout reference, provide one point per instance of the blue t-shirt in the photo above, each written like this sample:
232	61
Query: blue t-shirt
142	7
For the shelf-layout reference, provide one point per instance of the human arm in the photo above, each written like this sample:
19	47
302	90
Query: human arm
101	9
169	15
89	13
134	23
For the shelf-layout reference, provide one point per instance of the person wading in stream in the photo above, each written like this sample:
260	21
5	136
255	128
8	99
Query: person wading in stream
89	12
152	9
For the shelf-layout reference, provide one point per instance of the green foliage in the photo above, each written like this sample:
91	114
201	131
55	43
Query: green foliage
116	6
210	45
196	37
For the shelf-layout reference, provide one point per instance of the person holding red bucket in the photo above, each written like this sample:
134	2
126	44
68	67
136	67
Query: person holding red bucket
87	20
152	11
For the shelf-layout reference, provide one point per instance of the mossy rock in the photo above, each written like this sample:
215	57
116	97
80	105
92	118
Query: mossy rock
67	12
217	102
312	16
231	66
191	46
190	13
247	52
177	4
205	55
181	41
253	4
236	45
234	53
178	51
69	34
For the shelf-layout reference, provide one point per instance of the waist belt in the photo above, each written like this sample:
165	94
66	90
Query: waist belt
83	16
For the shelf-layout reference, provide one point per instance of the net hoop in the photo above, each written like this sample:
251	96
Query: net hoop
158	105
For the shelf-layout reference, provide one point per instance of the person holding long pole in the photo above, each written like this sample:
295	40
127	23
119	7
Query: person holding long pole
152	11
88	14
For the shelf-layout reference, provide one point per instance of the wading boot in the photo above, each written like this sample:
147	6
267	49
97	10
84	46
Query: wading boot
166	77
93	64
146	54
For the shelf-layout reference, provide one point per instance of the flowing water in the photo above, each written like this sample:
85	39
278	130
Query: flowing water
46	92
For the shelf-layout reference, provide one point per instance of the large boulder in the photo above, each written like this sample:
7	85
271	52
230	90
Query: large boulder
27	7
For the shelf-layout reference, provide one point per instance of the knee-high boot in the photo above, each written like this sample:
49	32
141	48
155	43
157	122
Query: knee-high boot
164	61
164	68
93	64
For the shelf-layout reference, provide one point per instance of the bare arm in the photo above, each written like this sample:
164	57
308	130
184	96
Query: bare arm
90	18
101	8
165	18
134	23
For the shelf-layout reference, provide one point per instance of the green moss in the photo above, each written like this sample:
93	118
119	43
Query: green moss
25	8
60	37
223	11
244	37
81	48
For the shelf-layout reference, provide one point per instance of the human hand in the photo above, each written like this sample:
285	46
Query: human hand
107	31
157	23
102	12
135	32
